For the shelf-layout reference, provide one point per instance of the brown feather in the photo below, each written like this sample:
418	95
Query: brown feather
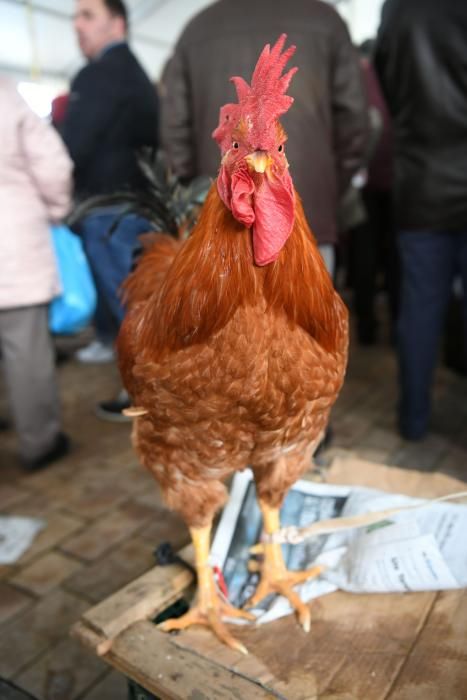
159	252
234	364
215	274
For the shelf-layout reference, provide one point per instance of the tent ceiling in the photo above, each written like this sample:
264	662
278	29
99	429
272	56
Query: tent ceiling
37	37
37	40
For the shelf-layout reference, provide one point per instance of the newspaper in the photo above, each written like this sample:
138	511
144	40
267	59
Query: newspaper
414	550
16	536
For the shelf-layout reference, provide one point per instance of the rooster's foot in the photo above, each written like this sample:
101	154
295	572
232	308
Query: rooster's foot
283	583
210	606
275	577
211	617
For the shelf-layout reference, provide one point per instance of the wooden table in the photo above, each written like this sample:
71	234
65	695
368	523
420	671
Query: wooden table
361	647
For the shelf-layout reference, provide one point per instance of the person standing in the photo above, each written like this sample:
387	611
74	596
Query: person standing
35	189
112	113
372	246
420	57
327	128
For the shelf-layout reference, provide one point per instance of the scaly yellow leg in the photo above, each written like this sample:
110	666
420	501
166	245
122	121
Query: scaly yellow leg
275	577
210	608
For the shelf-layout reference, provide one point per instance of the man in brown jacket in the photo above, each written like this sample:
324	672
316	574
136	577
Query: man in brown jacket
327	125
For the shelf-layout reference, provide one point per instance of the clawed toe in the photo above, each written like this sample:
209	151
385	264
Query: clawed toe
212	619
283	584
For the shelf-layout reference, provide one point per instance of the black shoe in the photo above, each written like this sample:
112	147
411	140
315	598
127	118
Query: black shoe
4	424
61	356
59	449
112	410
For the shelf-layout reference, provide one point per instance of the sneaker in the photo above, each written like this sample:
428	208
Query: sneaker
95	353
112	410
60	448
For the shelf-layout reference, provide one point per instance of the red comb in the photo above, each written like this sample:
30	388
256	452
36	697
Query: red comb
268	85
261	103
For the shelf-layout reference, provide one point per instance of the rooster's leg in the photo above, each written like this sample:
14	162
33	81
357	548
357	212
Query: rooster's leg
210	608
275	577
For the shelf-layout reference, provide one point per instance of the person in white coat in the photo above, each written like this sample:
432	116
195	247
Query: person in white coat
35	189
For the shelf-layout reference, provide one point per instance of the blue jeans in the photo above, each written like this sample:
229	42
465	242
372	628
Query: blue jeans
430	260
110	257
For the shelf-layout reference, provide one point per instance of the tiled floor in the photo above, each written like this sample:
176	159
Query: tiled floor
104	516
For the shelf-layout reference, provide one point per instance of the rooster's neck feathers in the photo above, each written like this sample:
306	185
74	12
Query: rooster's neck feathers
214	274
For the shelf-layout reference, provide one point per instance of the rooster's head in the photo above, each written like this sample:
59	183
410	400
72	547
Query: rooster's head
254	181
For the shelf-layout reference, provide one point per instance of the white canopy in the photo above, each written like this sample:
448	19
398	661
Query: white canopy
37	41
37	38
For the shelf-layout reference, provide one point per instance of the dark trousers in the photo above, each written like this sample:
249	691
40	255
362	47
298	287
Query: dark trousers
373	248
110	256
430	261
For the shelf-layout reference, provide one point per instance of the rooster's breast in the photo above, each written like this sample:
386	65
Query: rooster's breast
258	384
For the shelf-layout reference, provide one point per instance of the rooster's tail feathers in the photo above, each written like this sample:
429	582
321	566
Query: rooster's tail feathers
159	251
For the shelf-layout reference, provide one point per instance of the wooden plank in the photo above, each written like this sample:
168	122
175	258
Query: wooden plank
149	656
364	677
436	668
353	471
91	639
347	631
141	599
204	643
360	646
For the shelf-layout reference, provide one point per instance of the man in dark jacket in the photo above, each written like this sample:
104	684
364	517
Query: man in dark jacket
112	112
420	57
326	127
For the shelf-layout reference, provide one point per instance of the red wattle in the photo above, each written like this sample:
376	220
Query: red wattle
274	217
266	205
243	188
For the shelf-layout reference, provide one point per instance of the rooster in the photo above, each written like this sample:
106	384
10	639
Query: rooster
234	346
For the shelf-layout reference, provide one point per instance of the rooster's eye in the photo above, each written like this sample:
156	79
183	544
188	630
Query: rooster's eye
235	144
280	148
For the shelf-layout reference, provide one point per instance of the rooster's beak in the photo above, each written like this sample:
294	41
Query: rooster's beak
258	161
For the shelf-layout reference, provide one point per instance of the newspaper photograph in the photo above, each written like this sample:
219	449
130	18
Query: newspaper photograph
413	550
240	528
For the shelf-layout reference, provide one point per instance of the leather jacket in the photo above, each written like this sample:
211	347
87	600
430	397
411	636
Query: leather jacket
421	60
326	125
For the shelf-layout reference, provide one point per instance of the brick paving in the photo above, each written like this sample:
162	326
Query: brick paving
104	515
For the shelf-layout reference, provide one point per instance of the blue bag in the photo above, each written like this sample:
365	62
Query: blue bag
70	312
